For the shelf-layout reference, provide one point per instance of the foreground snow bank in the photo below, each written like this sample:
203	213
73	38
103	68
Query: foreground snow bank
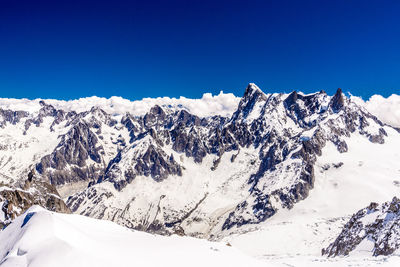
43	238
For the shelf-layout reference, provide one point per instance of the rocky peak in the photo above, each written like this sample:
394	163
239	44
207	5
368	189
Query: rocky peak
96	111
299	107
97	117
155	117
252	96
337	101
187	119
144	157
46	109
291	99
252	89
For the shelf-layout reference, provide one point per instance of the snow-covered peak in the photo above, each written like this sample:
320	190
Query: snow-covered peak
252	87
253	92
337	101
251	104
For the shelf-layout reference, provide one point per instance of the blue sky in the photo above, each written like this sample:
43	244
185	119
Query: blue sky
135	49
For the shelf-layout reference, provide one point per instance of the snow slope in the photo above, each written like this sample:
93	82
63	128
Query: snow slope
370	172
20	149
42	238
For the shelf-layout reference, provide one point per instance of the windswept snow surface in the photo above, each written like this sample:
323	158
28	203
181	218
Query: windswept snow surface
40	238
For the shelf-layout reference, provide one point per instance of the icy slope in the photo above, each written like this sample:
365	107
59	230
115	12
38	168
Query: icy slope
40	238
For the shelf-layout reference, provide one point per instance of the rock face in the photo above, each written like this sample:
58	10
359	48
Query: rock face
374	230
15	200
79	150
13	117
170	171
144	158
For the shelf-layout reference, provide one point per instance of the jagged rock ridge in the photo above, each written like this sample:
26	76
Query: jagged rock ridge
16	199
374	230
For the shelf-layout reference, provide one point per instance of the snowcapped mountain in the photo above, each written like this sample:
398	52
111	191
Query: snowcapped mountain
43	238
208	176
252	175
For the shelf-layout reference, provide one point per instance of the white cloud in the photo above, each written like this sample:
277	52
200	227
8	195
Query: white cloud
386	109
209	105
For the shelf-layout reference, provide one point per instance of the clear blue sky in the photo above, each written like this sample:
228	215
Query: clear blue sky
135	49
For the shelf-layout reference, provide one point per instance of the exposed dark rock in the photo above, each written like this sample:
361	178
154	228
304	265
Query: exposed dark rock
17	199
251	96
337	165
13	117
378	138
75	149
156	116
382	228
262	210
153	163
337	101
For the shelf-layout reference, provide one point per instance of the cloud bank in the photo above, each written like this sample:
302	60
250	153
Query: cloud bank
222	104
386	109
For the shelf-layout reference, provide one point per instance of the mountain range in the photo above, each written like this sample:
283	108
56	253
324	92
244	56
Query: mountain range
278	166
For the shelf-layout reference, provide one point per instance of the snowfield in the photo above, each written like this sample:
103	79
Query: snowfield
41	238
